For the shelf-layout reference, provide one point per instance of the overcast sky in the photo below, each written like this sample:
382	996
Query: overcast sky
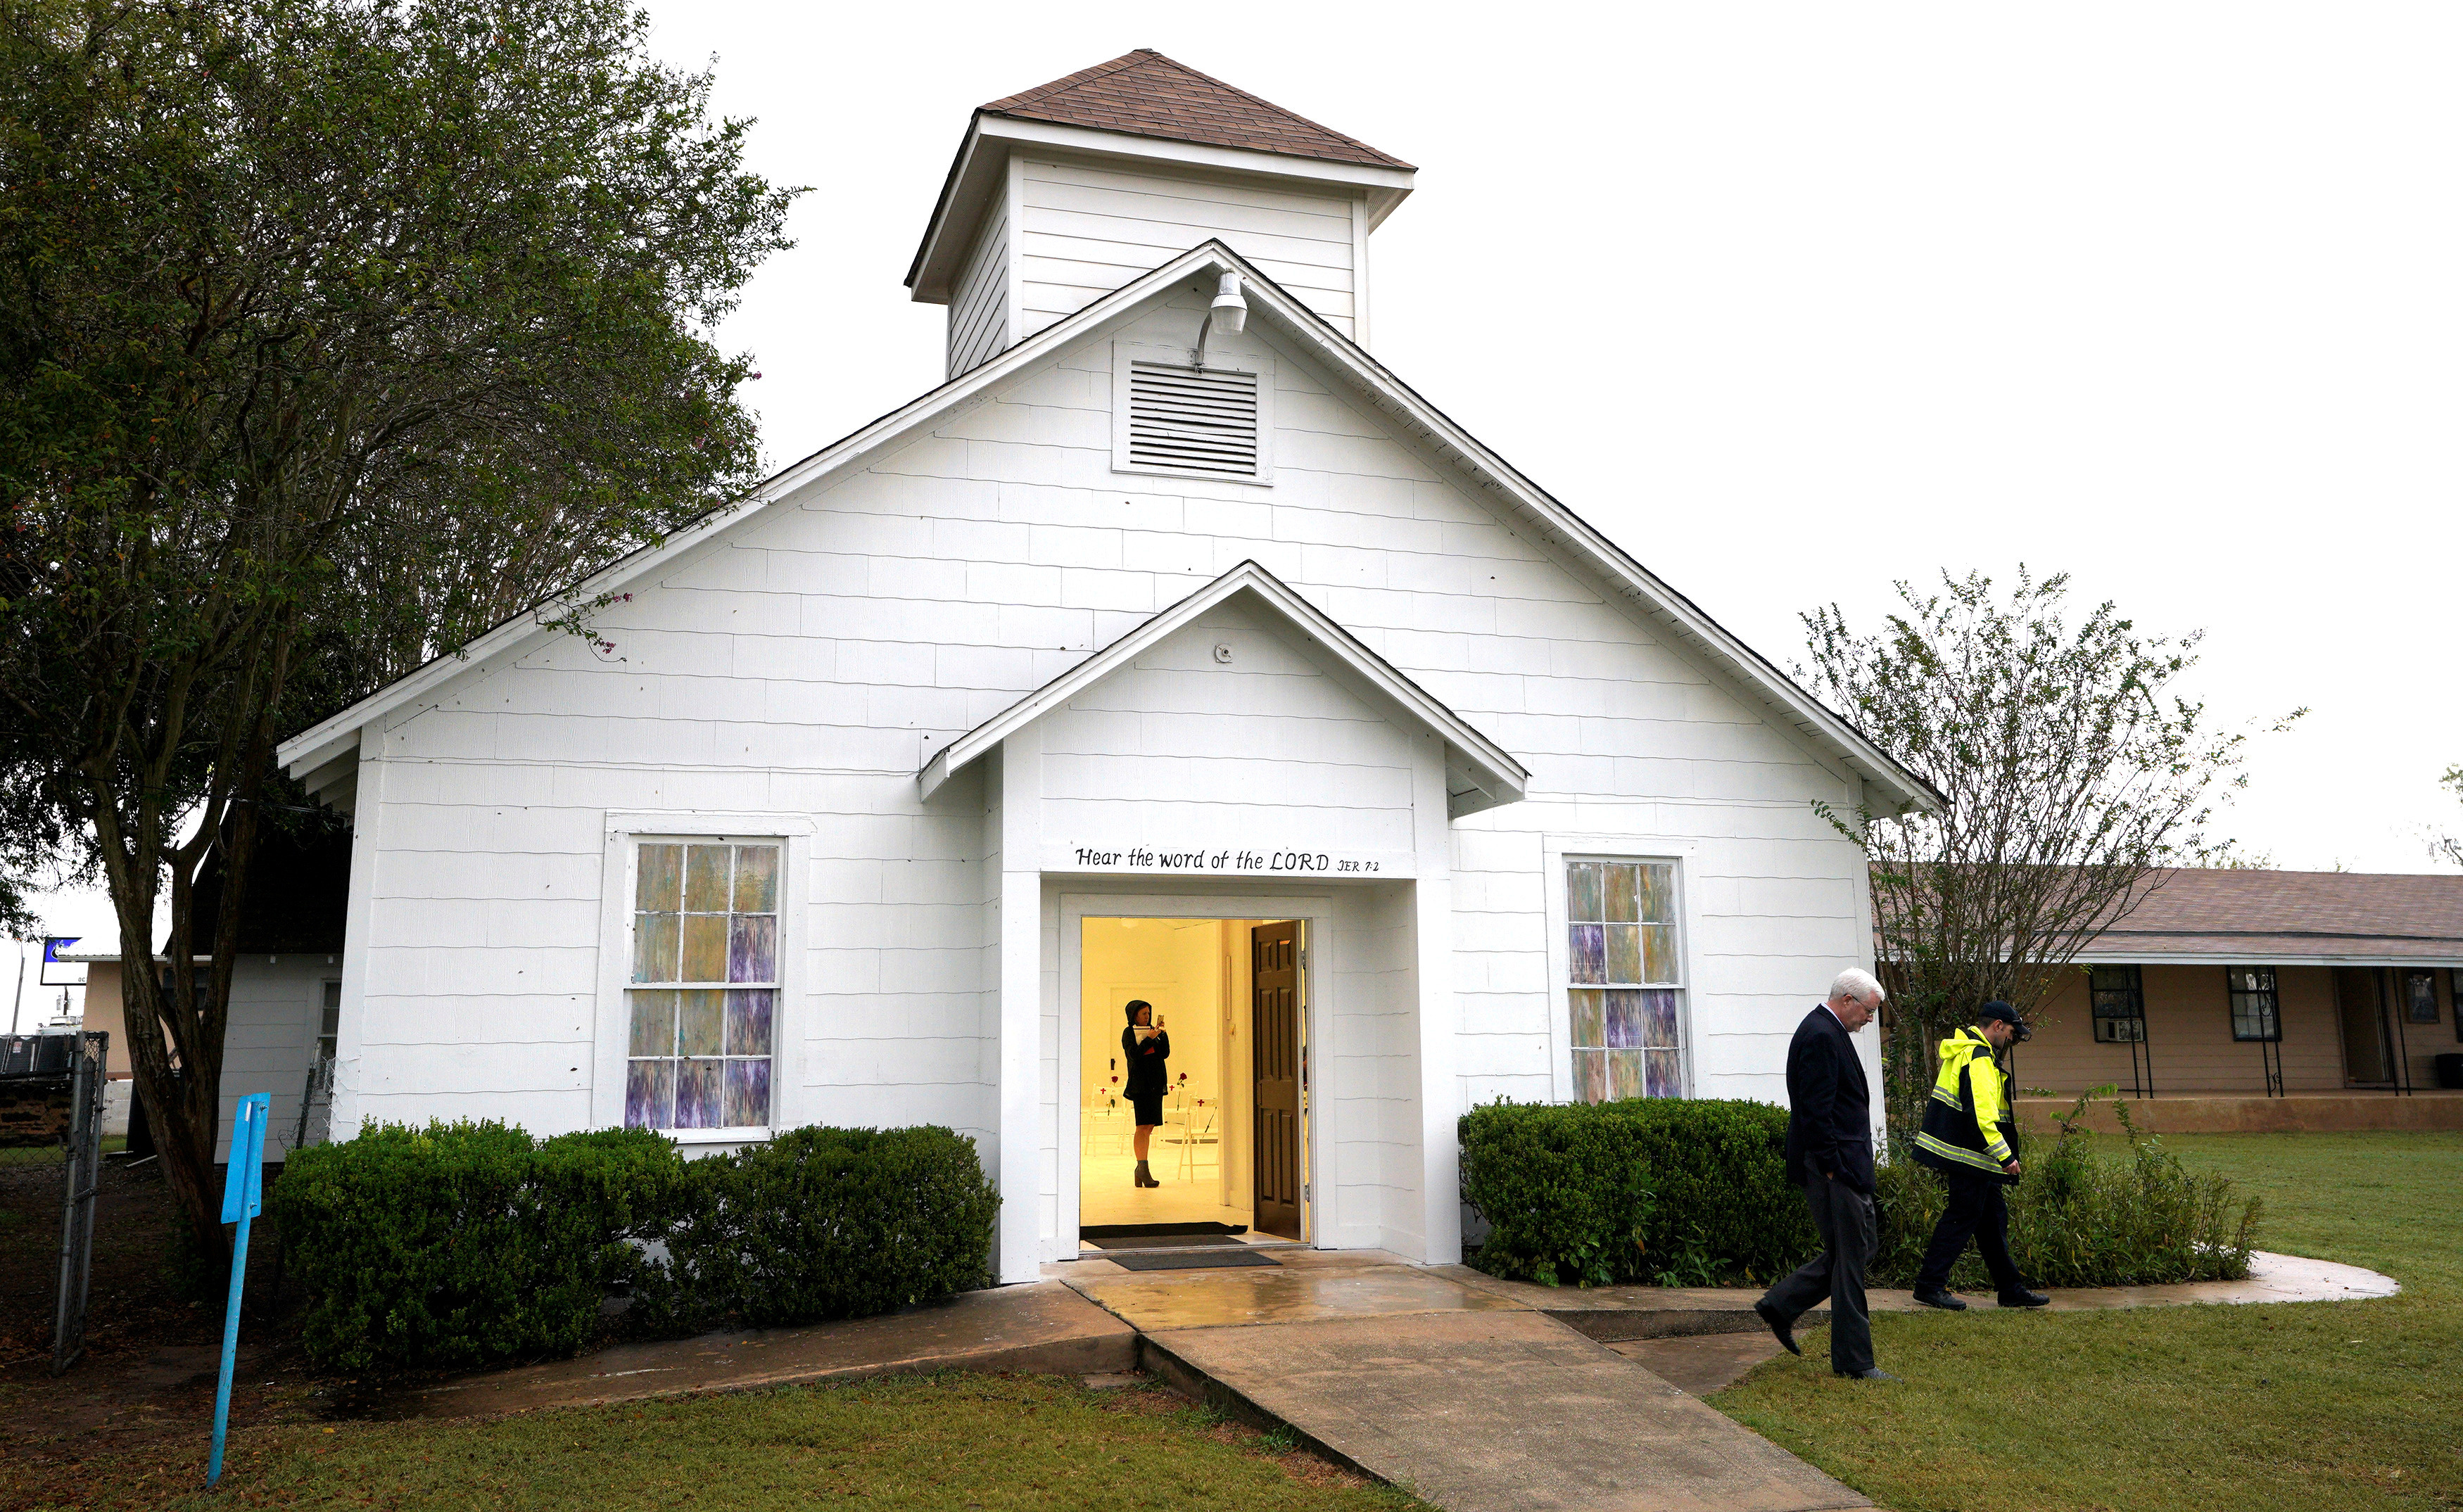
1795	301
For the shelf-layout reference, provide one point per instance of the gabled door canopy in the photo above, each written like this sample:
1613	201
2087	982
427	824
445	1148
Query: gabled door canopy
1479	774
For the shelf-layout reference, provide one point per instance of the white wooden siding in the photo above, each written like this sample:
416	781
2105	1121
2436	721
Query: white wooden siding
979	302
1084	231
809	661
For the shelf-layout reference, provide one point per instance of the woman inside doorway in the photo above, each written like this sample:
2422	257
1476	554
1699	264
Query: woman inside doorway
1144	1047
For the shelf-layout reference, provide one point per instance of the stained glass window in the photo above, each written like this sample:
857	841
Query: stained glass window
2120	998
1623	981
705	984
2253	1015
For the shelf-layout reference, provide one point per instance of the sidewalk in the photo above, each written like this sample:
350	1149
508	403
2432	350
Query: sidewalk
1478	1394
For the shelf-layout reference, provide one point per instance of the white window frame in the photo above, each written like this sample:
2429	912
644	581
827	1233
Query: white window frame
1556	852
1240	354
626	836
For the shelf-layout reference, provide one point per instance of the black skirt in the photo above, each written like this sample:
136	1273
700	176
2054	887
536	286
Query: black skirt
1150	1108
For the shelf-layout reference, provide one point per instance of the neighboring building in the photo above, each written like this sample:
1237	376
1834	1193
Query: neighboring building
2262	983
286	990
1433	793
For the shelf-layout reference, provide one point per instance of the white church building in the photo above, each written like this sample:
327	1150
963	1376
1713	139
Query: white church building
1172	648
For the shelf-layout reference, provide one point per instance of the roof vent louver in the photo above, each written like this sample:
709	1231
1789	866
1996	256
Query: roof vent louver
1193	419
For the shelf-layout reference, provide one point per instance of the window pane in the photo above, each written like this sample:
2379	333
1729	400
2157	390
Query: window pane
747	1092
1659	894
1662	1075
747	1023
1590	1017
1659	1019
1625	952
1624	1074
1590	1075
1623	884
1584	903
654	947
699	1018
1590	954
705	948
660	883
654	1024
1659	954
697	1094
752	948
756	878
706	878
649	1094
1625	1020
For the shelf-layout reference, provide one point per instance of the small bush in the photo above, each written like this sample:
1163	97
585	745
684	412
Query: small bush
1675	1192
466	1244
821	1223
2080	1219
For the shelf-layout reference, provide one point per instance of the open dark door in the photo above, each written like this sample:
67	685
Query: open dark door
1274	1044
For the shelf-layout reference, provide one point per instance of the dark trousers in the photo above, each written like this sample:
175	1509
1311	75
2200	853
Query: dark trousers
1846	1220
1976	1211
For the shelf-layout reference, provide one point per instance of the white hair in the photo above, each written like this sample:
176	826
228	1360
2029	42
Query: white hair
1858	983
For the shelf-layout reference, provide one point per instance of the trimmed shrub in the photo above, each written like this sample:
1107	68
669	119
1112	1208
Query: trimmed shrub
2081	1218
1666	1190
821	1223
466	1244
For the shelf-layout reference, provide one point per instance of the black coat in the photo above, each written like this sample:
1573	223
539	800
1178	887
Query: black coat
1829	1105
1145	1061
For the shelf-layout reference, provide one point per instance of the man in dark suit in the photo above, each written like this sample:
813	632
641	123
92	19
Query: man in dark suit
1830	1154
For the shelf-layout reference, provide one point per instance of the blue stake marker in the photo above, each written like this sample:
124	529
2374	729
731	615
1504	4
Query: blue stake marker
243	1198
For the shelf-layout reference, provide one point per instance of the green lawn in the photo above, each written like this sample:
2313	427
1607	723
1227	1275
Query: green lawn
2299	1408
953	1441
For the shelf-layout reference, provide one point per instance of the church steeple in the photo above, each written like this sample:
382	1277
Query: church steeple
1062	193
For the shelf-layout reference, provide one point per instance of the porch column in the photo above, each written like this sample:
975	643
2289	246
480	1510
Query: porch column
1019	1238
1440	1014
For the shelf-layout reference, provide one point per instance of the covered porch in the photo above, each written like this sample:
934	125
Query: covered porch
2245	1001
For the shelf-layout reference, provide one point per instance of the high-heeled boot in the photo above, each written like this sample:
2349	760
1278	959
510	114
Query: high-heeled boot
1145	1177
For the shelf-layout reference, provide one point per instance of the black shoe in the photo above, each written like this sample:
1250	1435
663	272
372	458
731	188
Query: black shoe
1779	1327
1868	1373
2023	1298
1940	1297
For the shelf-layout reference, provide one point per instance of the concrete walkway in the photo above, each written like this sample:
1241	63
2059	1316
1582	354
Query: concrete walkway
1478	1394
1618	1314
1044	1328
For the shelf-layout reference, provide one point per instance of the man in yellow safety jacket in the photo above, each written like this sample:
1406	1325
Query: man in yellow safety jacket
1968	1128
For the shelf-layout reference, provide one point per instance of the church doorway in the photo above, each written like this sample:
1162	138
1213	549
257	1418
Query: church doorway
1206	1077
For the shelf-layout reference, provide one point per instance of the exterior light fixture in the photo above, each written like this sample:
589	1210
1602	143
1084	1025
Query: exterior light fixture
1229	308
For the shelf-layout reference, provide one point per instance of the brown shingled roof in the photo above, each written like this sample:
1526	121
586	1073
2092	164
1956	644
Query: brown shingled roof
1146	94
2264	913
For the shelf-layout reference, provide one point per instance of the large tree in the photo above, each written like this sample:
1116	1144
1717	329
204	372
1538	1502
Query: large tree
2072	773
331	331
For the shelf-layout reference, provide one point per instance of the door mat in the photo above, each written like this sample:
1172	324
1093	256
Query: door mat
1165	1241
1189	1260
1099	1232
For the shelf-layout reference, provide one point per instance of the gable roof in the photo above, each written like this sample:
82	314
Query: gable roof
1890	787
1146	94
2261	918
1479	774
